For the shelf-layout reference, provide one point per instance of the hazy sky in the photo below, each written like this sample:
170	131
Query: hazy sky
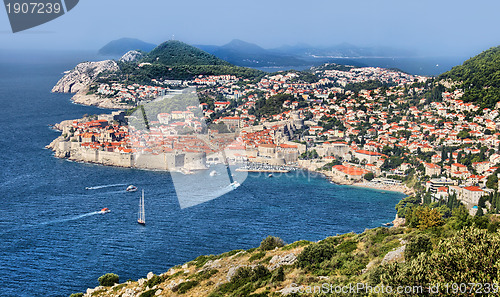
430	27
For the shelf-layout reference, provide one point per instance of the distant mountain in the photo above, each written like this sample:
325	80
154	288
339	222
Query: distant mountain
479	77
176	53
247	54
121	46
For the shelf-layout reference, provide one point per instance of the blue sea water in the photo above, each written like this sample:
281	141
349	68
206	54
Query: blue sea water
54	243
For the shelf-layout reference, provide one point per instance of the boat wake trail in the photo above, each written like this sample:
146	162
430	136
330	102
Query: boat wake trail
67	219
104	186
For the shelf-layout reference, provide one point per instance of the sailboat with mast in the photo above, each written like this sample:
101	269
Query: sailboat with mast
142	214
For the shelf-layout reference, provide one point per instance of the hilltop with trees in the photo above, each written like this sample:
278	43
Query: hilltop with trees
479	77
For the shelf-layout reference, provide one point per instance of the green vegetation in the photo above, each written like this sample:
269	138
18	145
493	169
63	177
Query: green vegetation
205	274
271	242
174	60
155	280
296	245
185	286
310	154
479	77
76	295
271	106
108	279
420	244
245	281
332	66
369	176
423	217
148	293
130	73
468	256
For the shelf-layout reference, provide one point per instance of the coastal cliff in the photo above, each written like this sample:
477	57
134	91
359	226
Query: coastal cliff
79	79
83	75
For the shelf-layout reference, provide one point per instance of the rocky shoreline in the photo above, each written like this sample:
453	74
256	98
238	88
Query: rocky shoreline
84	98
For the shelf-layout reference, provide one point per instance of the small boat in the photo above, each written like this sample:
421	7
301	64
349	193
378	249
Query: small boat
387	224
234	185
270	175
142	213
105	210
131	188
87	188
213	173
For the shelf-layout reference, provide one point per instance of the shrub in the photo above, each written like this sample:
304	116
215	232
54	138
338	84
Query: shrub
423	217
185	286
493	227
244	281
278	276
108	279
471	254
420	244
347	246
374	276
155	280
202	260
76	295
314	254
148	293
369	176
270	243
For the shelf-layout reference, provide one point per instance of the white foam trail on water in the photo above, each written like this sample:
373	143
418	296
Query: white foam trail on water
104	186
70	219
27	226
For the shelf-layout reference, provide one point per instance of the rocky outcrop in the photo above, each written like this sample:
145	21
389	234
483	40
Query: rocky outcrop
131	56
83	75
396	255
398	222
278	261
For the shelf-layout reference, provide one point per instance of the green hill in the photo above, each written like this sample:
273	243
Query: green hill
176	53
479	77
